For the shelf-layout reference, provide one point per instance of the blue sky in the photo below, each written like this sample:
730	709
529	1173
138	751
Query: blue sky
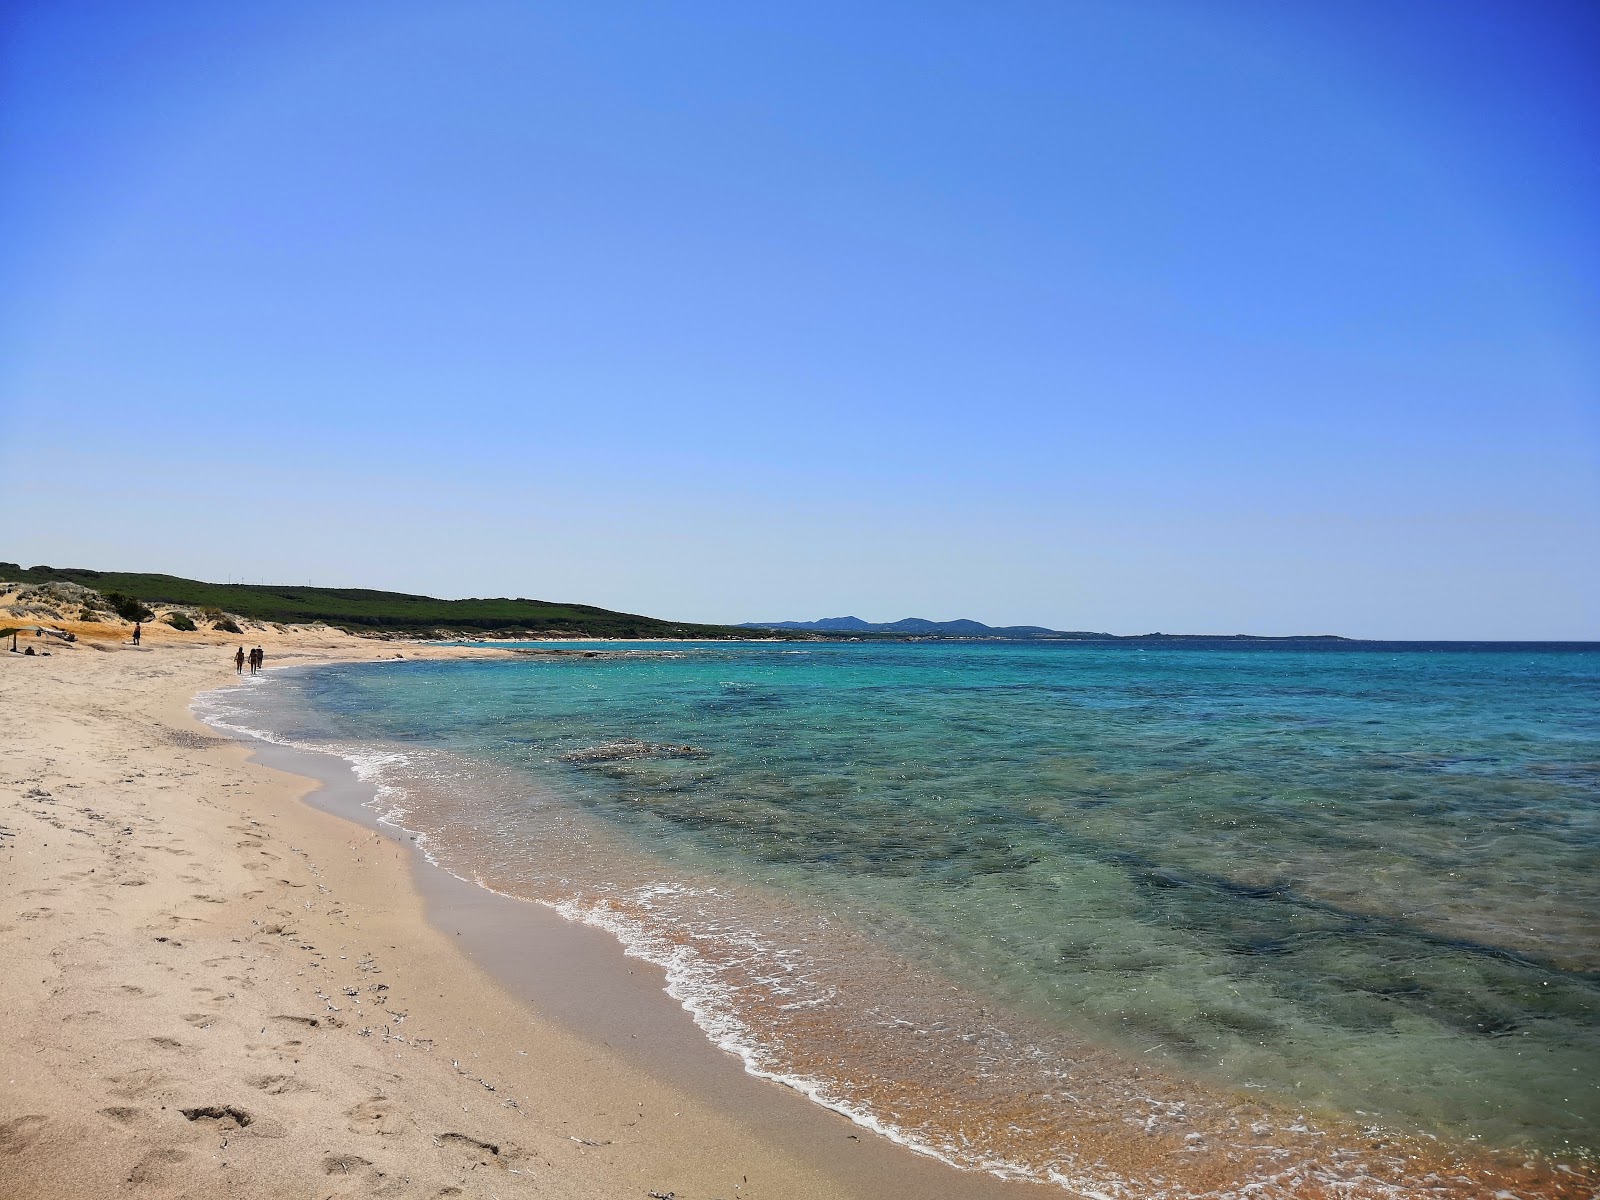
1182	316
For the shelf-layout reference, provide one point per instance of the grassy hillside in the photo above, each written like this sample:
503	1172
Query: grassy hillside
363	610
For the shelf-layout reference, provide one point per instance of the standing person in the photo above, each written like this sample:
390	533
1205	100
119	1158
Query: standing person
238	662
137	629
259	656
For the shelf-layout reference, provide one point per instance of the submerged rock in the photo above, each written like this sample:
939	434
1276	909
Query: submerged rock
628	749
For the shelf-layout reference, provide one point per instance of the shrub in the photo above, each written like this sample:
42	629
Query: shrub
180	621
227	625
128	608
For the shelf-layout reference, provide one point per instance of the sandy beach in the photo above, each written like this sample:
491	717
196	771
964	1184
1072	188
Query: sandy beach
214	989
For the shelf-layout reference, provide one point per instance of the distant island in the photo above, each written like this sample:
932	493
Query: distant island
922	627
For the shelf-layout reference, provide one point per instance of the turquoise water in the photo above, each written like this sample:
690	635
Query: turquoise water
1363	879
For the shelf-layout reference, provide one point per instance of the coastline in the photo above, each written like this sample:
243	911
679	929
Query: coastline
223	989
581	978
358	1020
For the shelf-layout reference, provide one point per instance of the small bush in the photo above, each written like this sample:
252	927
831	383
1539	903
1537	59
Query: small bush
227	625
128	608
180	621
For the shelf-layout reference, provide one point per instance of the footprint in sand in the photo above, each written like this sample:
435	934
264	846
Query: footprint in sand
124	1115
223	1116
278	1085
344	1164
278	1050
19	1133
352	1175
156	1166
376	1117
463	1147
134	1084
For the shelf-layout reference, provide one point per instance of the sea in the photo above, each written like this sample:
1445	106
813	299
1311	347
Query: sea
1169	918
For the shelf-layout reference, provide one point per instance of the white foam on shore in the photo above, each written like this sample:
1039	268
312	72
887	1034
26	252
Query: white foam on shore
367	764
708	1002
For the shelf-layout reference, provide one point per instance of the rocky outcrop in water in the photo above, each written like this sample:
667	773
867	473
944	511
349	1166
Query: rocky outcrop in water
624	751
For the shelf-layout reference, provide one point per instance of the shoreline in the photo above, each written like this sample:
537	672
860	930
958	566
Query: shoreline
584	979
225	989
1333	1153
486	1056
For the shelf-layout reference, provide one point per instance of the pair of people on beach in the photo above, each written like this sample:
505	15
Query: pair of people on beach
255	659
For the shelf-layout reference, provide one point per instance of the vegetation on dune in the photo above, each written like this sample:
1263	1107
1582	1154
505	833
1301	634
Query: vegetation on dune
126	607
363	610
180	621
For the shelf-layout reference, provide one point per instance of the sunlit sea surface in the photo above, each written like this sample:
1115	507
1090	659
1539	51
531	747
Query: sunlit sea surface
1163	919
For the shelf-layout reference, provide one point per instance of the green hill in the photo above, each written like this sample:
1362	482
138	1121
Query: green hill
363	610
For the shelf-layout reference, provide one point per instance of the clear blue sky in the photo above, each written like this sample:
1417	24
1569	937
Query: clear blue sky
1122	315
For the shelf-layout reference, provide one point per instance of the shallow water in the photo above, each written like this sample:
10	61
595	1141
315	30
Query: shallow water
1358	881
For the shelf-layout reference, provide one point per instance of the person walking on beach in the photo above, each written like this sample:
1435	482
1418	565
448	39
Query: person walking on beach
137	629
257	657
238	662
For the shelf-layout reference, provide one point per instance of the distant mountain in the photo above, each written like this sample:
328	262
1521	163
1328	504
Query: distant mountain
921	626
